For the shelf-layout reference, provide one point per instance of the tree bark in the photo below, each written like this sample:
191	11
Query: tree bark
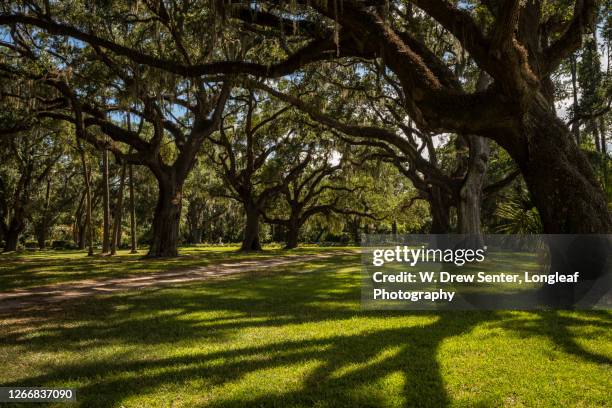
88	203
11	239
250	240
440	212
604	151
17	221
116	237
134	241
563	184
41	237
196	236
575	124
81	239
78	226
167	217
293	233
42	228
470	193
105	204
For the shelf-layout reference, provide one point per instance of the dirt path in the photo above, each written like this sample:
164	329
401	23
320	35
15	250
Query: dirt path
30	297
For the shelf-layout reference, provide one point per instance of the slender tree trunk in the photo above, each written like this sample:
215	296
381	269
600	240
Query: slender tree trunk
196	228
167	217
194	225
78	225
319	235
575	124
75	234
604	151
81	239
88	203
563	184
470	194
595	128
134	241
105	204
115	241
41	237
197	236
250	240
43	226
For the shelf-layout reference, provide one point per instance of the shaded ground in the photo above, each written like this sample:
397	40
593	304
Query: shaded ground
24	298
35	268
292	339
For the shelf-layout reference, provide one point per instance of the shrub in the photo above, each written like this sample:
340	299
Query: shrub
62	244
31	245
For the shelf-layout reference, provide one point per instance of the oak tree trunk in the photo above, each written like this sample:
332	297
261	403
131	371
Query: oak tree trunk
561	180
470	193
440	212
293	233
250	240
41	237
166	218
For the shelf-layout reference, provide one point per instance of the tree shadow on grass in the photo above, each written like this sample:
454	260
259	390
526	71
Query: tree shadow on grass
17	271
345	366
558	327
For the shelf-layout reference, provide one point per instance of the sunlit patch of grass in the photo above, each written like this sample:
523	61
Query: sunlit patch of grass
297	337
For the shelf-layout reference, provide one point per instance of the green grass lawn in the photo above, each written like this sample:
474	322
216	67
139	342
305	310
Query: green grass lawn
35	268
296	337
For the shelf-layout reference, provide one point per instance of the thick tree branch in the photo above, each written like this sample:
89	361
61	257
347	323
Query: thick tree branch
571	39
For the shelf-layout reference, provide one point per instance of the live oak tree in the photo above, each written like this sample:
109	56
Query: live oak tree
26	161
518	44
377	123
94	89
516	110
593	106
203	207
169	167
517	47
318	188
61	187
248	149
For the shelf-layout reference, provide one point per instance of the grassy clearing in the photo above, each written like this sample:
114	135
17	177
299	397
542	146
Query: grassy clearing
35	268
291	339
